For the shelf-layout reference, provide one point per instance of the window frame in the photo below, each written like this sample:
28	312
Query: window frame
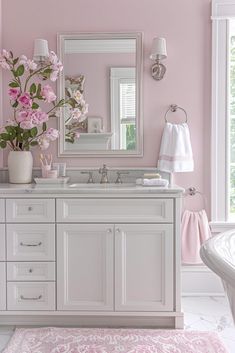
222	12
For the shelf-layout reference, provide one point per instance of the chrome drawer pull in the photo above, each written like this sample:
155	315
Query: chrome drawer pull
38	244
30	270
33	298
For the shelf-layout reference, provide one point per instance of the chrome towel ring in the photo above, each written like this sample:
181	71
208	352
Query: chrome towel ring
173	108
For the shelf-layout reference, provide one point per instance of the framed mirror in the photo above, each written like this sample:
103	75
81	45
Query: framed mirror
103	73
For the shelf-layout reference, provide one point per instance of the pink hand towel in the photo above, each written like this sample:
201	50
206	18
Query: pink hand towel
195	231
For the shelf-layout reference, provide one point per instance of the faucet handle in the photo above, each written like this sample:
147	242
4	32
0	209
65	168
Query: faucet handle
104	169
90	178
119	179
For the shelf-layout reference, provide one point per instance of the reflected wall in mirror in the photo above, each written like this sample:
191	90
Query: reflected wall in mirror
103	73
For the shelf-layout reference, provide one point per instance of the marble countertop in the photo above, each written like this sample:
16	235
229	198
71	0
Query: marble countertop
74	189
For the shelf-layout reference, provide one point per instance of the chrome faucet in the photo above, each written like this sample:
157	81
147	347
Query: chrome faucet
104	175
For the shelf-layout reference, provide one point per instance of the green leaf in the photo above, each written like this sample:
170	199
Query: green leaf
39	90
44	127
35	105
67	92
33	88
10	129
47	71
33	132
3	144
34	143
19	138
4	136
72	102
14	84
19	71
26	135
71	140
15	105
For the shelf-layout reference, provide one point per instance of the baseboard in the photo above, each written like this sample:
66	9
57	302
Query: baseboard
198	280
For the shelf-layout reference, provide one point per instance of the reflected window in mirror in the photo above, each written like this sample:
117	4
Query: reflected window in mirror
123	108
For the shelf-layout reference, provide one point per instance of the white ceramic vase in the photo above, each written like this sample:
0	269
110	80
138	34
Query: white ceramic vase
20	167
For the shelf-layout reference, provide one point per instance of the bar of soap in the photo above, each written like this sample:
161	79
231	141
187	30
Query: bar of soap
152	176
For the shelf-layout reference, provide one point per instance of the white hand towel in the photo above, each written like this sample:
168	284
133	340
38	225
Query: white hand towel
153	182
176	150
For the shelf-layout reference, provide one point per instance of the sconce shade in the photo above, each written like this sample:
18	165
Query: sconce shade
40	49
158	49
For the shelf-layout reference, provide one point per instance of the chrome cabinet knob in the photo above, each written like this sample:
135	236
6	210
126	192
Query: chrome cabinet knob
118	230
109	230
30	208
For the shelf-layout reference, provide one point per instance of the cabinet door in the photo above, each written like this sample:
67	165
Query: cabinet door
85	258
144	267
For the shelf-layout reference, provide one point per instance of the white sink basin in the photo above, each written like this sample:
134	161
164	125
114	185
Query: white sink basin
101	186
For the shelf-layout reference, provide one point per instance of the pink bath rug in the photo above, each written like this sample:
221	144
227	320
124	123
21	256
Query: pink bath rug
75	340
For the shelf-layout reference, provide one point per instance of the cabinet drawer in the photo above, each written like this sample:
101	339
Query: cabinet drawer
31	296
2	243
27	242
31	271
30	210
2	210
115	210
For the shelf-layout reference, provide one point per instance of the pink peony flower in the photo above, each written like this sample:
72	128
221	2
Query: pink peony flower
53	58
6	54
78	96
25	100
27	125
54	75
43	142
4	64
48	94
76	114
52	134
28	64
23	115
14	93
58	66
38	117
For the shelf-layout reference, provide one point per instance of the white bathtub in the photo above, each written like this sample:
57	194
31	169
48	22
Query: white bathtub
218	253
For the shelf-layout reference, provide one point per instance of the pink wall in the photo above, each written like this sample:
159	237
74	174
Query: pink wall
96	69
184	23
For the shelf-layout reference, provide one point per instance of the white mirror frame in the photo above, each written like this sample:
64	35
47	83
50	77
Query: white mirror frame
138	152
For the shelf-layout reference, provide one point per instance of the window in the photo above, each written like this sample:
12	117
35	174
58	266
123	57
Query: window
123	108
223	115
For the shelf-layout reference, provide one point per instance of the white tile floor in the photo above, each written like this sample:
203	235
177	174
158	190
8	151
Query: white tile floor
201	313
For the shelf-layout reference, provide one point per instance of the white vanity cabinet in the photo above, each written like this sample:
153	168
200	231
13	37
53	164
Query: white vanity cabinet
98	259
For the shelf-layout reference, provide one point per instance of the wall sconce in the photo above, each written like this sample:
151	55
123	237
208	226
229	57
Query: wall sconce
41	51
158	53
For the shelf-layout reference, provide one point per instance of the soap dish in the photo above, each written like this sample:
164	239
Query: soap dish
60	180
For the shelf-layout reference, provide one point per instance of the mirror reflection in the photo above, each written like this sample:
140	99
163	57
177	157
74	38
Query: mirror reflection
101	74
